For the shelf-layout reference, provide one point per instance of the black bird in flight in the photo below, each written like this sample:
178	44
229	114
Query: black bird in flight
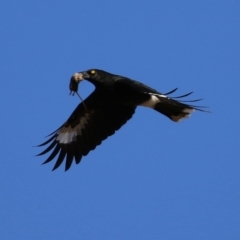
104	111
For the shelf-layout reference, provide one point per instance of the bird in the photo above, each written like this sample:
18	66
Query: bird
111	104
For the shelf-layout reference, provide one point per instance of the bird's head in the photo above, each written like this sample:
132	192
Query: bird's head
94	76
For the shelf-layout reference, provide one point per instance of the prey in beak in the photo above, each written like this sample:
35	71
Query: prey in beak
73	86
74	81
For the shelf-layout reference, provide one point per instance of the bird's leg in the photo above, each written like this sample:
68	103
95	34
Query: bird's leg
82	101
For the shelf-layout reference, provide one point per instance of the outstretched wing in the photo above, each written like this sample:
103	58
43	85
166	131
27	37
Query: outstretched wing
86	128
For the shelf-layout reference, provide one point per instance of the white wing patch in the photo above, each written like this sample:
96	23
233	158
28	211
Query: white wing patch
68	135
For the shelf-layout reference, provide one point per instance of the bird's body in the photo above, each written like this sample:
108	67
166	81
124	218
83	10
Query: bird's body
105	110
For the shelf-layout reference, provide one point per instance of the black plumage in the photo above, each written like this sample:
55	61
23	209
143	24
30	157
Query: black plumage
104	111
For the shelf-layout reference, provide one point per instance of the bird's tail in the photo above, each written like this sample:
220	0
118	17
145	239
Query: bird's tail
174	109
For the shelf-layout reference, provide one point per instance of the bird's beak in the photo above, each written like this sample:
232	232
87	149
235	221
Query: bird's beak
84	75
77	77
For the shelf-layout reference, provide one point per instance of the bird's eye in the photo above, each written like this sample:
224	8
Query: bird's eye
92	72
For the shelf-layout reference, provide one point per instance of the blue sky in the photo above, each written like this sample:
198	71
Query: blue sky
154	179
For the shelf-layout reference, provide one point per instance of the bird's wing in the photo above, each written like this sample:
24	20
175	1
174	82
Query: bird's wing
86	128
